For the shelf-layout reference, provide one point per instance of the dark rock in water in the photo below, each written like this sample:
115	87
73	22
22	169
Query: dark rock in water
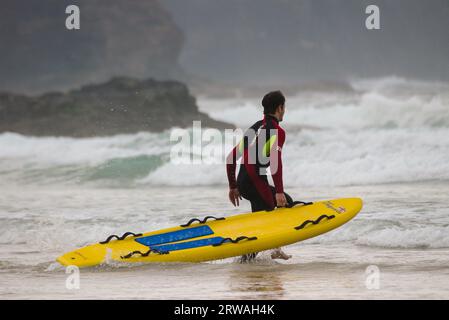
122	105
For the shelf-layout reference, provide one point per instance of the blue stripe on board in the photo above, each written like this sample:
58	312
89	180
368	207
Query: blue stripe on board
188	244
173	236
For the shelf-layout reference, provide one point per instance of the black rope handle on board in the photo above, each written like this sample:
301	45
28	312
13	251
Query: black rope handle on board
120	238
236	240
200	221
295	203
305	223
143	254
292	204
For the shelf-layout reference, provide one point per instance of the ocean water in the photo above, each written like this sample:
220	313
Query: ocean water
386	141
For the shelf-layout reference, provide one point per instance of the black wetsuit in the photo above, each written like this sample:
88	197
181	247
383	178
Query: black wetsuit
259	149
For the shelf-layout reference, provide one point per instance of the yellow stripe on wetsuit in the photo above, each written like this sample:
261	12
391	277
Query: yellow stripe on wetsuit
266	148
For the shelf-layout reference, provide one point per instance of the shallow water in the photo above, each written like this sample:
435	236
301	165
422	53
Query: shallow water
38	225
386	141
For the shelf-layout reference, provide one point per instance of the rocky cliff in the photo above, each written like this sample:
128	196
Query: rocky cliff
116	38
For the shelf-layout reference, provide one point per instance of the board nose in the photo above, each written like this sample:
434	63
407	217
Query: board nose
73	258
358	203
67	260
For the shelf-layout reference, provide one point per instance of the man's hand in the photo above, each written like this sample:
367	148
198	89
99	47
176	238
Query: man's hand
281	201
234	196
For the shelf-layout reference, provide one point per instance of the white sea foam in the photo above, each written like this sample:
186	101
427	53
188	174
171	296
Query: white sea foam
387	130
372	234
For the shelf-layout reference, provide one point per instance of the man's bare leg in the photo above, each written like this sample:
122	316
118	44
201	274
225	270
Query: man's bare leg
279	254
250	257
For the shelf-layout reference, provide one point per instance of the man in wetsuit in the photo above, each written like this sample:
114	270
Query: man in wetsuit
260	149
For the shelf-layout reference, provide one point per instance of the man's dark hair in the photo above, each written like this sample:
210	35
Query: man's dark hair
271	101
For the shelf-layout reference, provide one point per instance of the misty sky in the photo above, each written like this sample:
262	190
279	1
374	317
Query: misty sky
226	41
267	40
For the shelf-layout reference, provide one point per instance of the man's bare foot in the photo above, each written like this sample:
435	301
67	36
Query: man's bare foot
279	254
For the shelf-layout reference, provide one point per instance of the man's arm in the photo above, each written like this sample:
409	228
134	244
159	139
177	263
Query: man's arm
276	167
231	165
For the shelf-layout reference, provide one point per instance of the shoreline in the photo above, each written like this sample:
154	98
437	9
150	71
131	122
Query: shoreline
263	279
330	266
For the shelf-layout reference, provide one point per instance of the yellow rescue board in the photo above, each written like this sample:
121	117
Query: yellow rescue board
218	239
